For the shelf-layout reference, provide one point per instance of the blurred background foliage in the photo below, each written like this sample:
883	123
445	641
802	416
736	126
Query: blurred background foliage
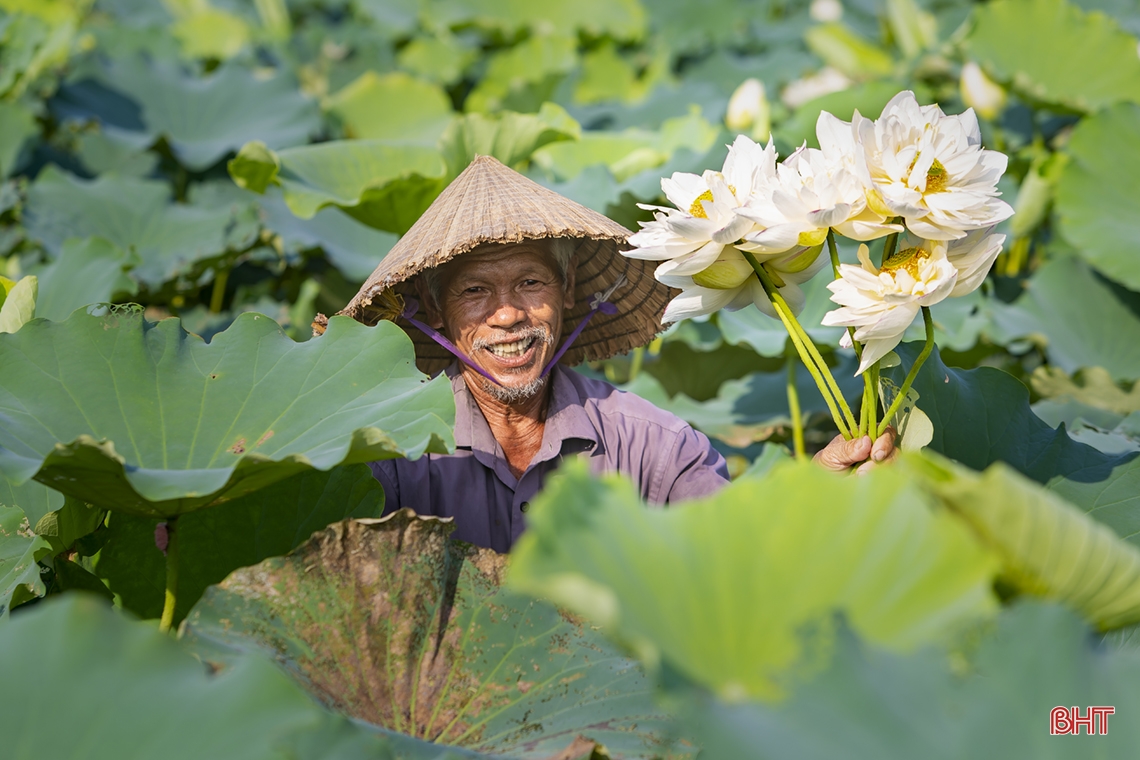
210	157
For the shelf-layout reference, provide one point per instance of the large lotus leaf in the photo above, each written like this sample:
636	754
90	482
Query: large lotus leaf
531	62
146	418
718	590
1077	318
1099	189
34	498
354	248
874	705
87	271
214	542
19	550
17	124
35	39
1105	431
1048	547
136	215
386	185
1094	387
621	19
750	408
202	118
1017	42
437	58
510	137
392	623
686	27
164	702
982	416
392	106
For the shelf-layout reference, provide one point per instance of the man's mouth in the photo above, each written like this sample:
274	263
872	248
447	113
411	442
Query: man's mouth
514	348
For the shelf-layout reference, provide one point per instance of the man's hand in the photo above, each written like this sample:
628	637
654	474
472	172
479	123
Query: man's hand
841	455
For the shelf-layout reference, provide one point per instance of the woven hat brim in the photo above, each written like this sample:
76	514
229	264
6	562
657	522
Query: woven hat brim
490	203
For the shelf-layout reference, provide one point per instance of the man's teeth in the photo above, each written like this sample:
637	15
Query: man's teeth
517	348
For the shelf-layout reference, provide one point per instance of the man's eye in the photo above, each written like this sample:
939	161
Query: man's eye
531	283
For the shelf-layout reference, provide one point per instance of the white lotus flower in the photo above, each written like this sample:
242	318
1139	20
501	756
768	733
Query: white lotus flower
930	169
882	303
731	284
695	233
813	192
973	256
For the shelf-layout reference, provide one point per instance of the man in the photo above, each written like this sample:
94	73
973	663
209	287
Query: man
500	266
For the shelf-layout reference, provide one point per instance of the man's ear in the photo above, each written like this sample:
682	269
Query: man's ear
431	308
571	270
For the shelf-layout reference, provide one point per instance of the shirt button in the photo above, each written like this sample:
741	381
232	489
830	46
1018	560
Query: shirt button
525	506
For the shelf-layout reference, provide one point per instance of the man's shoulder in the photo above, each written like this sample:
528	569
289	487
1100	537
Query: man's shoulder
601	398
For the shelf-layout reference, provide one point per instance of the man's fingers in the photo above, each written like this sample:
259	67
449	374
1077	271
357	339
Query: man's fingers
839	455
884	447
866	467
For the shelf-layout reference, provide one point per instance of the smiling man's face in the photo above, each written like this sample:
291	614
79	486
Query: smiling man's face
502	306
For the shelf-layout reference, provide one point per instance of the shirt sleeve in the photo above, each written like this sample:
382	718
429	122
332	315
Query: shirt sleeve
385	472
694	469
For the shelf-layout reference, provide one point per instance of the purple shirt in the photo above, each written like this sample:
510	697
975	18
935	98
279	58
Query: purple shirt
613	430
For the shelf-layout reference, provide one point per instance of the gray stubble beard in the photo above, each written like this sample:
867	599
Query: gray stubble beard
515	394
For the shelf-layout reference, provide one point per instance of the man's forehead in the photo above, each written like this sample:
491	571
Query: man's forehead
497	255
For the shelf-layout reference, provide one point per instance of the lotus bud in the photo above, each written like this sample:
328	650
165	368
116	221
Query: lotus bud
981	93
729	271
825	11
749	111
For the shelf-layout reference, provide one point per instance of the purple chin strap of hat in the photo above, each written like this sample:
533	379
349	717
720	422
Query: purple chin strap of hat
600	302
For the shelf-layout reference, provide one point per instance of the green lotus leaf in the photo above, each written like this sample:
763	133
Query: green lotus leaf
621	19
214	542
533	62
384	184
63	527
1017	41
877	705
842	49
35	39
510	137
441	59
1066	309
17	125
17	303
686	27
146	418
392	106
136	215
782	552
1093	386
1099	189
34	498
390	622
982	416
87	271
20	548
165	703
1048	547
202	118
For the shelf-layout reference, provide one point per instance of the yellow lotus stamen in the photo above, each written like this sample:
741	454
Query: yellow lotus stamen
936	176
698	208
908	259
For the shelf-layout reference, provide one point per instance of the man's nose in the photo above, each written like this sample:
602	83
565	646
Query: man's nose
507	312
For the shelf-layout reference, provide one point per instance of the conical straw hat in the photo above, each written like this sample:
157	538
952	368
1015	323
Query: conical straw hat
490	203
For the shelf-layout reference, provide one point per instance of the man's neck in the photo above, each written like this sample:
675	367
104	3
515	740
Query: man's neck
518	427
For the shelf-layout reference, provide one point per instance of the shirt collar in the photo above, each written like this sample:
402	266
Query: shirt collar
566	418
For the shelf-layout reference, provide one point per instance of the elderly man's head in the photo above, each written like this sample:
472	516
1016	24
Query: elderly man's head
502	306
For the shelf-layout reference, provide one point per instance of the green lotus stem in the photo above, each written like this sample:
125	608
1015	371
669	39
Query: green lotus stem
926	349
795	332
635	366
794	404
864	410
218	294
833	251
872	387
167	620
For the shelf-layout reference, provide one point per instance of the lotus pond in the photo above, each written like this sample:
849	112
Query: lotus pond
193	558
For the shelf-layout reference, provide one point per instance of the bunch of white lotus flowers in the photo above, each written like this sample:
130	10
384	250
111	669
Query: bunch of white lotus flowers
914	173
